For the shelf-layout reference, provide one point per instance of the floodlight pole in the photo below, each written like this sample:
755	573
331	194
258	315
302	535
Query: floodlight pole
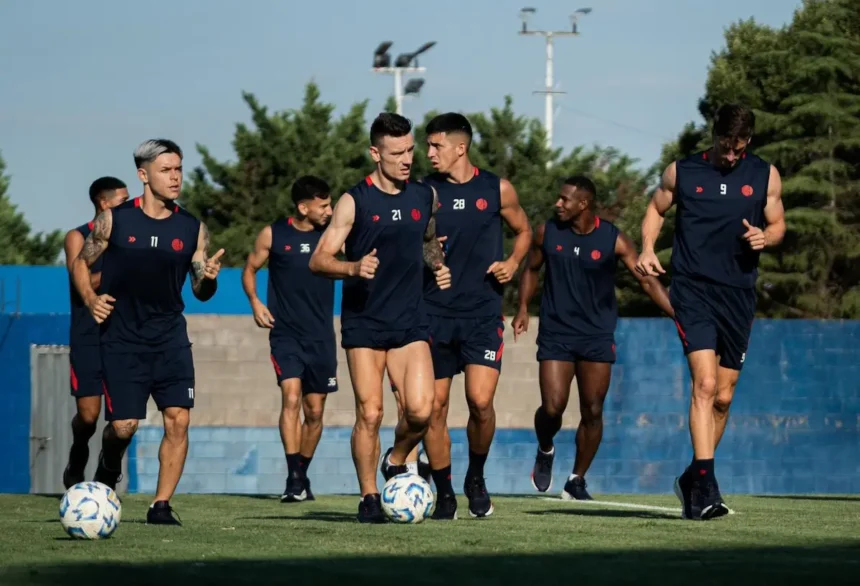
548	90
397	73
405	63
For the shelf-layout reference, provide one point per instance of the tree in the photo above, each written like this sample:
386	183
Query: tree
803	82
238	198
17	245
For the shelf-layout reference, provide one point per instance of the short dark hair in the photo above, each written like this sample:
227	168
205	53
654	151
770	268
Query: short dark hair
309	187
449	123
734	121
582	183
100	187
388	124
151	149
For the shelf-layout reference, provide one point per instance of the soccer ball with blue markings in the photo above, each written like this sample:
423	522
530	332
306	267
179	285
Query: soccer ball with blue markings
90	510
407	498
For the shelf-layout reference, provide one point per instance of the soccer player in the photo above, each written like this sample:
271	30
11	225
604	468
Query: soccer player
299	315
578	314
84	356
729	209
466	320
389	228
149	245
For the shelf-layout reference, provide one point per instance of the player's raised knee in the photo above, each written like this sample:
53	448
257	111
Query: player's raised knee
125	428
722	402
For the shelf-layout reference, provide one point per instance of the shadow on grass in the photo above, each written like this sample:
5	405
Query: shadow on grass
326	516
610	513
811	497
832	564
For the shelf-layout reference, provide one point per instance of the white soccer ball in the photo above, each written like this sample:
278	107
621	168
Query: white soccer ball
90	510
407	498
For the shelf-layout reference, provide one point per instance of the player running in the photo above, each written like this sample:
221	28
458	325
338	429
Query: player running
299	315
388	226
149	245
578	314
84	357
466	320
729	209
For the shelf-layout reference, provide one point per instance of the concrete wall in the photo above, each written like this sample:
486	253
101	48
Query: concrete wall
795	425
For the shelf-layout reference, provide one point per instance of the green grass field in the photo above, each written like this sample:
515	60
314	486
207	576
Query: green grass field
255	540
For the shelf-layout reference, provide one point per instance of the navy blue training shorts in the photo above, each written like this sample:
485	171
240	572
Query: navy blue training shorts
713	317
85	371
460	341
132	377
576	348
382	339
314	362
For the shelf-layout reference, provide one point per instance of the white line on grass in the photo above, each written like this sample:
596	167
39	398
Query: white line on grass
620	505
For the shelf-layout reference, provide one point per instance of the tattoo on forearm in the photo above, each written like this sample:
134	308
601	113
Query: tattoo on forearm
433	255
97	241
198	266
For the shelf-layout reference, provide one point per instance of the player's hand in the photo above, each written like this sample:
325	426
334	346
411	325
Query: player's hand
443	276
366	267
754	236
441	240
649	265
521	323
100	307
263	316
503	270
213	266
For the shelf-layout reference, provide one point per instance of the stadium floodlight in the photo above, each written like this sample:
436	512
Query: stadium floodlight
549	91
404	63
525	15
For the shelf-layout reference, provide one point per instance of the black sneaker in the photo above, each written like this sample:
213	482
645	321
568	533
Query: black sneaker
105	475
424	466
389	471
446	507
370	510
683	489
310	496
480	504
294	492
161	513
574	489
542	471
707	501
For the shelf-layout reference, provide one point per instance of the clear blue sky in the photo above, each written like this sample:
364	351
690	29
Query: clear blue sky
82	83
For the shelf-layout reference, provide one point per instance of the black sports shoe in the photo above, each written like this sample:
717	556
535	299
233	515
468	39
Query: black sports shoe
294	492
480	504
574	489
424	470
683	488
161	513
389	471
310	495
370	510
542	471
706	501
446	508
105	475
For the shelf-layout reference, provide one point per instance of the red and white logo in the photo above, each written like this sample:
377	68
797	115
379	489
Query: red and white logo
375	218
747	190
699	189
558	247
481	204
132	239
595	255
288	248
177	245
416	215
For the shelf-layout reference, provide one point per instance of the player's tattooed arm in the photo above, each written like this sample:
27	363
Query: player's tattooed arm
73	243
93	247
324	259
204	268
434	256
529	281
626	251
652	223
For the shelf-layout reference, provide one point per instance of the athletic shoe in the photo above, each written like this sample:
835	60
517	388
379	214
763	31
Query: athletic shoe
542	471
574	489
480	504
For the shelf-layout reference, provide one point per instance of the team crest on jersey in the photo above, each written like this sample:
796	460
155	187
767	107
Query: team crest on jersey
747	190
481	204
595	255
416	214
177	245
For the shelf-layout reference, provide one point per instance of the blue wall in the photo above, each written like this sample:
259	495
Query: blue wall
27	289
794	426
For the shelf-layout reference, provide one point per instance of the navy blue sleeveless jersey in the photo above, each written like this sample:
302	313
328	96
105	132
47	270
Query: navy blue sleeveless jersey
579	283
469	214
145	267
83	330
301	302
394	225
709	229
